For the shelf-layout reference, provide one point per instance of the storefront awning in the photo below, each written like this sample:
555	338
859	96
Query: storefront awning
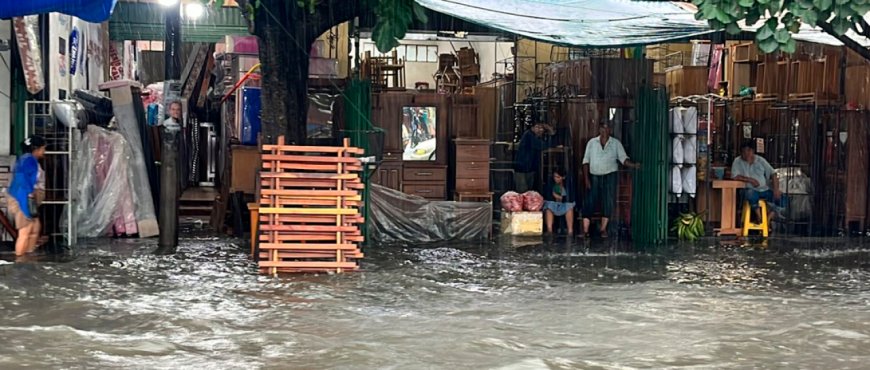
93	11
580	23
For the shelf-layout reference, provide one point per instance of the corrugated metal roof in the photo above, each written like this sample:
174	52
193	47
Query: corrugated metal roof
144	21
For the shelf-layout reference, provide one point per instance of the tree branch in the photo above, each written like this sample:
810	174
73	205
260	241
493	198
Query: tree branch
846	40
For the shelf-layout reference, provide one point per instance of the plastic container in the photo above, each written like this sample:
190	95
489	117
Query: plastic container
250	115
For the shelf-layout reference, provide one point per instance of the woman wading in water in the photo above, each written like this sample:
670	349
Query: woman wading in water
26	192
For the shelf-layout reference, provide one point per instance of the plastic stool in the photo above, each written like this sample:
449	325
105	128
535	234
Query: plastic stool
764	227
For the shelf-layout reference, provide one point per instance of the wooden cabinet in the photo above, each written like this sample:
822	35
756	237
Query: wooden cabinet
470	167
389	175
426	180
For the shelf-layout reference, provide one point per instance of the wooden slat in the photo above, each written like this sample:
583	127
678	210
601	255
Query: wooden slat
310	228
313	219
308	211
309	175
309	159
313	149
312	202
328	254
310	167
308	264
310	246
310	193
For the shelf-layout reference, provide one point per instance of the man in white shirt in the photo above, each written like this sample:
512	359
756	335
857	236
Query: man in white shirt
600	170
761	181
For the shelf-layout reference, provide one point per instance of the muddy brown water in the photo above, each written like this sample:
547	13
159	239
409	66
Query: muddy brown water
529	305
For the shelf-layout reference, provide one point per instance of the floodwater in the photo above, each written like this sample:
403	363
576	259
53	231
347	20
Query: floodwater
554	305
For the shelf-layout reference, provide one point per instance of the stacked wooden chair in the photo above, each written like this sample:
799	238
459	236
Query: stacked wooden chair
309	209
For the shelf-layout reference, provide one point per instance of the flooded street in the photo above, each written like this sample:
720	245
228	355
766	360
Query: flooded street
556	305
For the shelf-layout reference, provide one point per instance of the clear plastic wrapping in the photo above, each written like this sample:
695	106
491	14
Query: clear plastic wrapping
106	201
396	217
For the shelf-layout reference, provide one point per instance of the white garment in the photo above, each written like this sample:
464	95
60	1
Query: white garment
676	181
690	120
677	120
679	157
690	150
690	180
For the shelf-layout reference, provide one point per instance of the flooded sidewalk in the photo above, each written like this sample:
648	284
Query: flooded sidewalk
520	304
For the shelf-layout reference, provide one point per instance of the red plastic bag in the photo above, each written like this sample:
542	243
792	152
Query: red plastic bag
512	202
532	201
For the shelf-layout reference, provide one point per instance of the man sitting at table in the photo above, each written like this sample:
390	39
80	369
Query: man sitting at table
761	181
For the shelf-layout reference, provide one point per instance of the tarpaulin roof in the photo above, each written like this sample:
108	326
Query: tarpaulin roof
589	23
94	11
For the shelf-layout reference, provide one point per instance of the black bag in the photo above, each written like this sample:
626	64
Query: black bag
33	207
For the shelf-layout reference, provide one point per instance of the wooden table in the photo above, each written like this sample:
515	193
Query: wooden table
729	205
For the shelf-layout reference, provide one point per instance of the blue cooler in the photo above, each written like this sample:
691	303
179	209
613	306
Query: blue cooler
250	115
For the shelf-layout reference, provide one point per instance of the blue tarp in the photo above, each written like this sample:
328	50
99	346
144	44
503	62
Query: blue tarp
581	23
93	11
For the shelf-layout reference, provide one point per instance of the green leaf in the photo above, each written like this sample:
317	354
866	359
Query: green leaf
811	17
823	4
746	3
789	47
842	2
841	25
860	9
752	17
763	2
768	46
794	27
764	33
781	35
420	13
732	28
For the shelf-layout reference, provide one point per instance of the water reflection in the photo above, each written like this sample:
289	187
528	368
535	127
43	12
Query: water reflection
515	304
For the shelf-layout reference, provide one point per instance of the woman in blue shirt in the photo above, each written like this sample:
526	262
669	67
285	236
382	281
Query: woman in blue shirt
24	194
558	201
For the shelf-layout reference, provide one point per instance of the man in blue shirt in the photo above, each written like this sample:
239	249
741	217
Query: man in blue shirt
761	182
528	157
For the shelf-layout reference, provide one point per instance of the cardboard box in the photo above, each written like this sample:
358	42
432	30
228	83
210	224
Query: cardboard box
246	165
522	223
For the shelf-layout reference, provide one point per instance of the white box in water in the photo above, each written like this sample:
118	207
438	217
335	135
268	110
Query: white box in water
522	223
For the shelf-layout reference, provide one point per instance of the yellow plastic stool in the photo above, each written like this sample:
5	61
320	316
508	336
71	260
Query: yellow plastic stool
764	227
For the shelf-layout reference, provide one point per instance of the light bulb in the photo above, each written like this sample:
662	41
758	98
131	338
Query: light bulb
194	10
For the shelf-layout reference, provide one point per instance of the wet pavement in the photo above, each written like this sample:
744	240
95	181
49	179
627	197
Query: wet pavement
518	304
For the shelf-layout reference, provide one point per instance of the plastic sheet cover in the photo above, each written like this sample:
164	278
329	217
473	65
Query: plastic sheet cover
396	217
106	197
94	11
602	23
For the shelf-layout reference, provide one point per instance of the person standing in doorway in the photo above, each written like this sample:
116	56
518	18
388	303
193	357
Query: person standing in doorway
600	170
26	191
528	158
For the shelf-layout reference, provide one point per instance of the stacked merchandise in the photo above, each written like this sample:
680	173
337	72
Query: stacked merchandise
309	209
684	154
